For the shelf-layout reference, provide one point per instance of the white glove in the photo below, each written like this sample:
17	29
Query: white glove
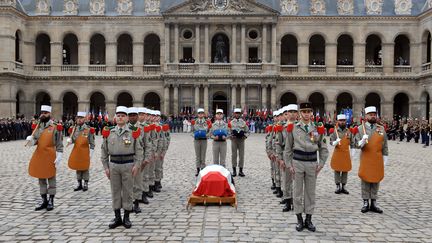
386	162
336	142
352	152
91	153
58	159
362	142
365	137
69	140
29	138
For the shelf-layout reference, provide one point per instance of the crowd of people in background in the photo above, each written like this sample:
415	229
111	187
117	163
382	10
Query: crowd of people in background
400	129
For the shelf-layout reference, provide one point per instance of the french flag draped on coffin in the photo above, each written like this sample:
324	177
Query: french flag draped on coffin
216	181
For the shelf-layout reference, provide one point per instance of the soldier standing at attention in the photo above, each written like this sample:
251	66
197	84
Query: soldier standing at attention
200	133
268	137
147	153
47	156
300	157
219	134
372	140
163	144
291	116
239	131
343	140
82	136
122	156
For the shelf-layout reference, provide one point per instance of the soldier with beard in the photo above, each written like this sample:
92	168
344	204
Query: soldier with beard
372	141
47	156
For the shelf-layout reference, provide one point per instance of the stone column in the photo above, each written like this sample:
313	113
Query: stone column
303	57
264	43
233	95
387	109
167	43
29	55
176	99
273	44
83	55
243	96
206	44
388	57
166	99
56	55
414	109
197	44
83	105
176	43
330	57
273	97
57	109
234	44
414	60
111	56
264	96
138	57
330	106
243	43
206	98
197	94
359	57
110	106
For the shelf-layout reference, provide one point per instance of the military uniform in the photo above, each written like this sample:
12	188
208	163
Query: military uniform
278	145
269	151
301	147
219	143
46	158
341	159
163	144
374	152
148	158
239	131
200	133
83	138
121	152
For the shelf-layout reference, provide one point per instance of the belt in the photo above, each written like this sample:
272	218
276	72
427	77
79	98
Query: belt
122	158
122	161
200	138
221	140
305	156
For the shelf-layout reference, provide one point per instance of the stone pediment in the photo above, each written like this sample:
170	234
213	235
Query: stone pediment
220	7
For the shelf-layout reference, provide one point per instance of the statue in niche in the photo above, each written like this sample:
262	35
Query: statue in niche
220	55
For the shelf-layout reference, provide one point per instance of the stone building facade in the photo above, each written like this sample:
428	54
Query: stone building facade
178	55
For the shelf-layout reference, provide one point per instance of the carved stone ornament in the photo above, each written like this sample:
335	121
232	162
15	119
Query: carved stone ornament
124	7
8	3
289	7
43	7
152	6
403	7
70	7
317	7
374	7
345	7
97	7
225	6
429	4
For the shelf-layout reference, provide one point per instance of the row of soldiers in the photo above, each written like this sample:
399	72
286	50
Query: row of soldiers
297	150
237	130
411	130
133	153
14	129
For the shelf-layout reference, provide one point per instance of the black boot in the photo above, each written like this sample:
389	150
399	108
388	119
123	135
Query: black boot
198	170
150	193
136	207
280	193
276	191
300	224
156	186
273	186
308	223
338	189
117	221
365	207
126	222
241	172
79	187
288	205
284	201
343	190
43	204
144	198
374	208
153	188
159	185
50	205
85	186
234	174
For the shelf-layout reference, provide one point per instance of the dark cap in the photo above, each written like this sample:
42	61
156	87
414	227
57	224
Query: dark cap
305	106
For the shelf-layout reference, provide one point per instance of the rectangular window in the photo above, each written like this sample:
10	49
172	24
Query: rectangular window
253	55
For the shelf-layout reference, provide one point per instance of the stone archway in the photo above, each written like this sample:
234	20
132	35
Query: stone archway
220	101
152	101
288	98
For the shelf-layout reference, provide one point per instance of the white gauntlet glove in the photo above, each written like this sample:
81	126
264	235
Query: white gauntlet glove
69	140
386	162
31	140
336	142
362	142
58	159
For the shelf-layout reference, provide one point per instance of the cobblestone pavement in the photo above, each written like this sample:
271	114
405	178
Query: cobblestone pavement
405	197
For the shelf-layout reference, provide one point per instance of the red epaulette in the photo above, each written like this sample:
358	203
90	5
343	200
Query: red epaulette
33	126
165	128
147	129
209	124
106	132
229	124
290	127
354	130
136	133
321	129
332	130
158	128
92	130
70	130
59	127
193	122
